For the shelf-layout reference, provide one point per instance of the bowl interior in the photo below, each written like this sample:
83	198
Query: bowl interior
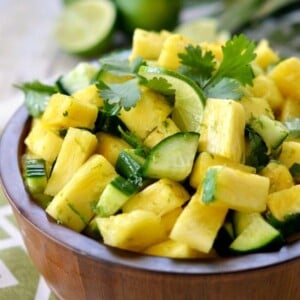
11	149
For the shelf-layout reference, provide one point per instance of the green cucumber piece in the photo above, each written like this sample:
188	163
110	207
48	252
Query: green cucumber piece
115	194
173	157
272	132
258	234
35	175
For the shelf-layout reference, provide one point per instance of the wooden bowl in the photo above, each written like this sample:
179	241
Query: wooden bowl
77	267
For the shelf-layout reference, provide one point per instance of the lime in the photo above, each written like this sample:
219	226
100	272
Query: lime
202	30
85	27
189	99
148	14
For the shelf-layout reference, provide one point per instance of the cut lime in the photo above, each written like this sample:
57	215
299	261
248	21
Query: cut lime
85	27
189	98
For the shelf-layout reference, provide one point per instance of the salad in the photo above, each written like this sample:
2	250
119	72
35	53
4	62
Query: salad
174	148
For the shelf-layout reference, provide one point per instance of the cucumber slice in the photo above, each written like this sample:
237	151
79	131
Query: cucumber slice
272	132
258	234
189	98
35	175
78	78
115	194
173	157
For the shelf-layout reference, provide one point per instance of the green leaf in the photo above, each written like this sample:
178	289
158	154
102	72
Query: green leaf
197	64
295	170
209	186
119	95
238	53
37	96
160	85
226	88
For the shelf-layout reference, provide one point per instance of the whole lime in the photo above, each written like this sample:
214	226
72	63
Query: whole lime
148	14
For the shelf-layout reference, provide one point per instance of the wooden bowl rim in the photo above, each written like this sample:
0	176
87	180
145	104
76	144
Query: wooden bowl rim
11	145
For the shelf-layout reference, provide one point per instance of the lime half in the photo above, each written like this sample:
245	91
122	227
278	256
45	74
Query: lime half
189	99
85	27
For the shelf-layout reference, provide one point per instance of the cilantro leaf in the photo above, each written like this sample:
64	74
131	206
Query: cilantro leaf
120	65
160	85
37	96
237	56
226	88
197	65
119	95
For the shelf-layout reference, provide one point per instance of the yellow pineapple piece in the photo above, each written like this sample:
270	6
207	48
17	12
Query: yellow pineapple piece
150	111
43	141
279	175
215	48
290	153
65	111
159	197
133	231
73	205
172	46
255	107
77	147
175	249
147	44
110	146
264	87
168	219
265	55
206	160
235	189
284	203
286	75
90	95
222	129
290	109
165	129
198	224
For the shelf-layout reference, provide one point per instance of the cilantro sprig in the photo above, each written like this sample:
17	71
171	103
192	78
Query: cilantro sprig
234	70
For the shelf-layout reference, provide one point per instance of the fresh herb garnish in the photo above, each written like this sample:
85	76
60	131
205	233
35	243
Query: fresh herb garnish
119	95
37	96
234	71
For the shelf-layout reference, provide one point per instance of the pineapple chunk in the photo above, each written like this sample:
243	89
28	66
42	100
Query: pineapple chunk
160	197
65	111
150	111
279	175
172	46
215	48
206	160
147	44
290	153
168	220
39	139
90	95
198	224
133	231
110	146
290	109
73	205
77	147
175	249
255	107
165	129
264	87
235	189
285	202
222	129
287	76
265	55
